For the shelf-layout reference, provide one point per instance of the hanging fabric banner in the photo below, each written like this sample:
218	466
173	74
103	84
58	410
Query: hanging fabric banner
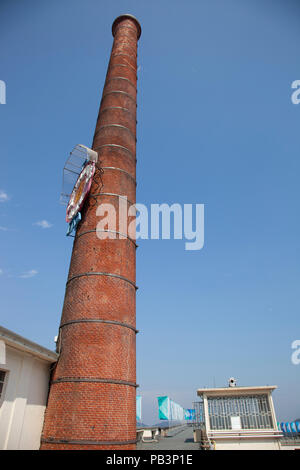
163	407
168	409
288	427
189	414
293	427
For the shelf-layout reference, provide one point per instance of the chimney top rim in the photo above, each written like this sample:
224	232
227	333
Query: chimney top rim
128	16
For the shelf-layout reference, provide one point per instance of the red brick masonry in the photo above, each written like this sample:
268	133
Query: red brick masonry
91	402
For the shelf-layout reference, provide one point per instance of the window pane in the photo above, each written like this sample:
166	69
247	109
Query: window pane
254	411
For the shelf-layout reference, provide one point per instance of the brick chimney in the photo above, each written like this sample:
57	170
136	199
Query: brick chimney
92	397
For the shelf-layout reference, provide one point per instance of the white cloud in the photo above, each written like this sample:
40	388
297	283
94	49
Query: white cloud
3	196
6	229
43	224
1	271
27	274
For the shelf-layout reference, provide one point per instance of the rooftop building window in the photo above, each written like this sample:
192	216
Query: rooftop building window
239	412
2	380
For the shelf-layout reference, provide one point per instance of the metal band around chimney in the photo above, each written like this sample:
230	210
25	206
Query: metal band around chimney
109	231
113	195
117	146
77	276
116	54
94	380
87	442
119	169
121	92
117	107
128	65
121	78
118	65
126	44
114	125
97	320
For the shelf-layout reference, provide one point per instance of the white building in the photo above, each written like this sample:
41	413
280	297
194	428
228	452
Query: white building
239	418
24	382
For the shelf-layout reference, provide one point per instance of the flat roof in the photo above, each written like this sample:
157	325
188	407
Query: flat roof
236	390
22	344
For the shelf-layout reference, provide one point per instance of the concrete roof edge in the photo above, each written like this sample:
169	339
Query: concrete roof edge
215	391
24	344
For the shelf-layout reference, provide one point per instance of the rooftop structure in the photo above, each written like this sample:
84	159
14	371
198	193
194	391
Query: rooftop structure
24	383
238	417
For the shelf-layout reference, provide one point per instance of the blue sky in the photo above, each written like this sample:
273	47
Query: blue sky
216	126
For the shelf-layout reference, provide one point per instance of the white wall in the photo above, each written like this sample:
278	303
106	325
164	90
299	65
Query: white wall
247	444
292	447
23	400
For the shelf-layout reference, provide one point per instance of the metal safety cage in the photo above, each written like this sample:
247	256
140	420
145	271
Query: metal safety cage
72	169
